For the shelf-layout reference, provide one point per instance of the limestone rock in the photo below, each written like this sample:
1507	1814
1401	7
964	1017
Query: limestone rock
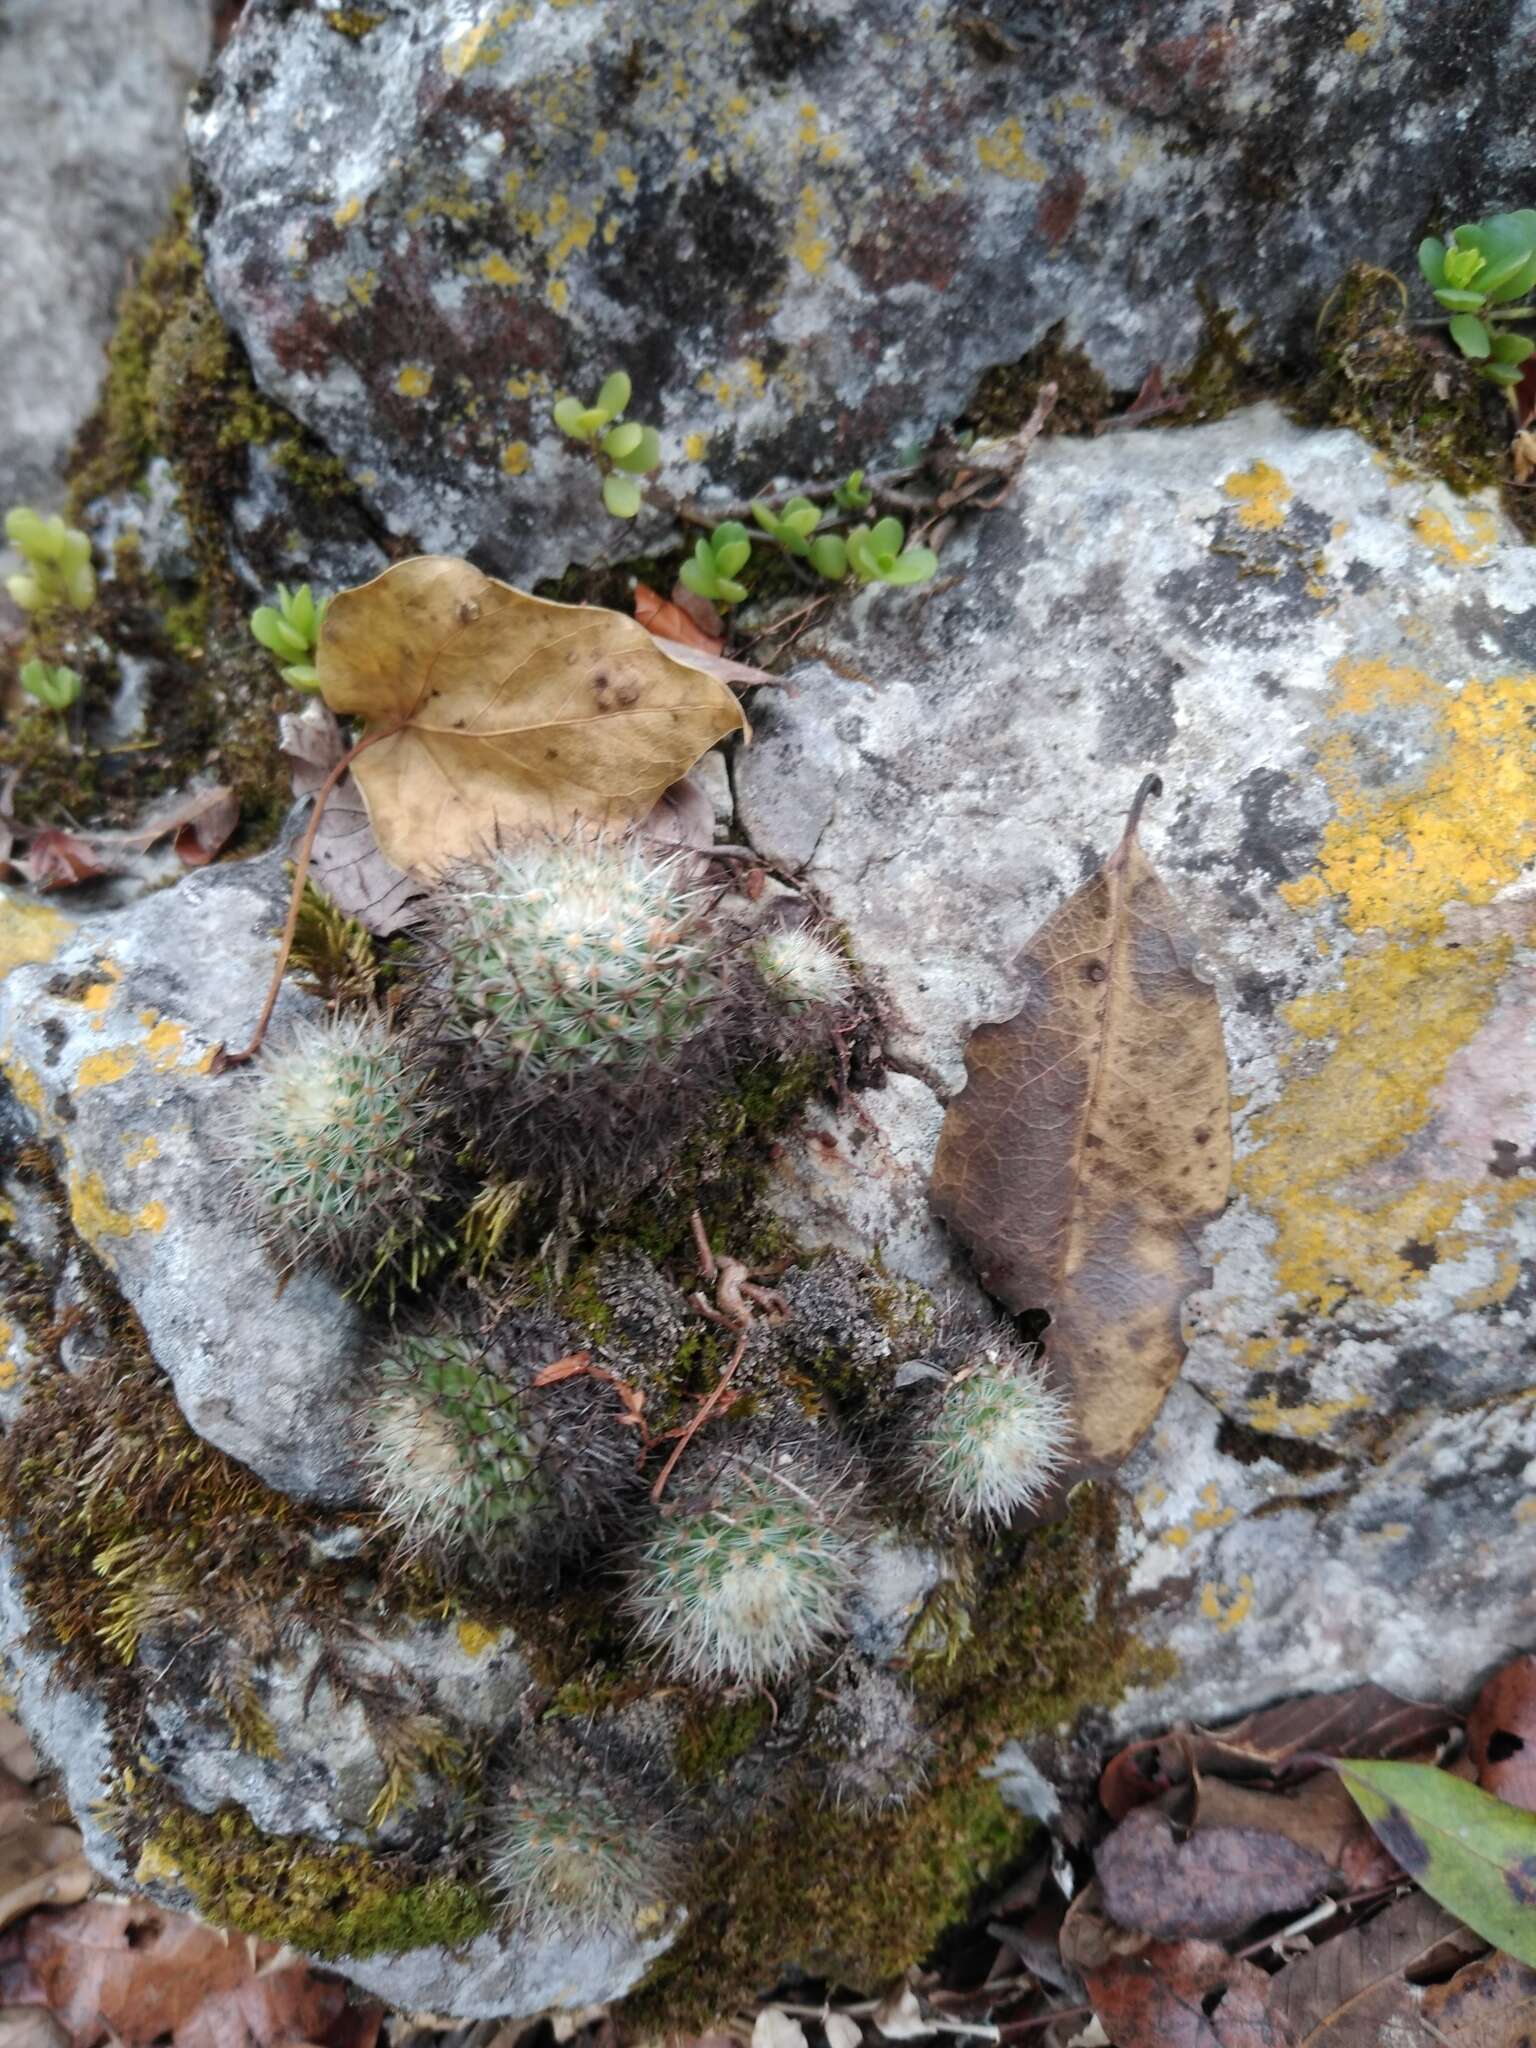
805	229
1331	667
90	151
107	1026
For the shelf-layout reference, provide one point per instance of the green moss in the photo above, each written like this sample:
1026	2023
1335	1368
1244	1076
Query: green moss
1425	407
1006	395
715	1735
1220	375
355	22
327	1901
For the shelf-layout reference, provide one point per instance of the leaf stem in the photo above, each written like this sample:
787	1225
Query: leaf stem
222	1058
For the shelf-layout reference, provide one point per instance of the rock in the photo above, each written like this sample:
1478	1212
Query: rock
804	231
107	1026
90	150
1330	666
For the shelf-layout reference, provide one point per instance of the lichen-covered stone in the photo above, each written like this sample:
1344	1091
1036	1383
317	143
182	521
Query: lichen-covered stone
1333	668
804	229
108	1026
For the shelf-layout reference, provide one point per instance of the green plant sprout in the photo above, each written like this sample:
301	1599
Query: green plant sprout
794	528
717	561
850	495
54	688
290	629
58	559
1476	276
876	555
630	448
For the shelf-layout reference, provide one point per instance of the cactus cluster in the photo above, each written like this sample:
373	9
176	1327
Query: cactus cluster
750	1577
567	1850
466	1458
335	1139
992	1436
579	992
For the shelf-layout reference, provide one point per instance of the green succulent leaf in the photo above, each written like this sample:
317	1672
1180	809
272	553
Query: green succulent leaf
1470	1852
1432	260
1459	301
645	455
614	396
54	688
851	494
1511	348
1470	336
275	634
1463	265
1500	373
913	565
829	556
621	495
569	415
26	592
765	516
699	577
728	591
24	529
303	675
621	441
731	557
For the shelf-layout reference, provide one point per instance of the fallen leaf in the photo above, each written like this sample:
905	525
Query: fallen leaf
62	860
40	1865
1501	1734
1188	1994
1468	1850
684	816
1090	1939
30	2026
1091	1141
1489	2004
345	862
1214	1884
200	820
666	620
775	2029
568	1368
1318	1815
1151	401
16	1752
841	2031
489	713
1338	1994
899	2016
720	665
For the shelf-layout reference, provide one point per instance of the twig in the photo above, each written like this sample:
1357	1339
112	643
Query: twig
702	1414
222	1058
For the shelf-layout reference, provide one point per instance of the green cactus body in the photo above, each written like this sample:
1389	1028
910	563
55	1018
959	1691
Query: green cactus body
992	1439
334	1142
570	1855
568	957
452	1457
802	970
749	1585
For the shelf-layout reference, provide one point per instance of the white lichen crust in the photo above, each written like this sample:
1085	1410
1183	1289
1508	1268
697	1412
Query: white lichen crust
990	1441
750	1584
333	1139
568	1854
802	970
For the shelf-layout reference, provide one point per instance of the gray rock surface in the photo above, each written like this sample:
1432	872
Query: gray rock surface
90	152
1331	668
804	228
107	1026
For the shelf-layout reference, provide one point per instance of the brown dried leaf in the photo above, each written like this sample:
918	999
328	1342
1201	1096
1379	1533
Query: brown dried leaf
1317	1815
1501	1734
200	819
665	619
16	1752
62	860
1366	1721
1091	1141
1214	1884
39	1866
1337	1995
1490	2004
497	713
684	816
30	2026
1187	1994
345	862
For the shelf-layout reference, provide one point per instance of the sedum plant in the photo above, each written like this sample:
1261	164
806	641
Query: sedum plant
58	562
290	629
876	554
1477	275
851	495
749	1580
794	528
717	561
990	1439
55	687
625	449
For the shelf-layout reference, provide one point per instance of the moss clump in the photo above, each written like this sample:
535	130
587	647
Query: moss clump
1421	404
715	1736
1007	394
327	1901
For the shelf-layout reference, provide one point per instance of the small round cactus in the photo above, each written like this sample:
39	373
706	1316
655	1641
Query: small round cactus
335	1144
563	1850
749	1581
990	1440
802	970
464	1456
580	985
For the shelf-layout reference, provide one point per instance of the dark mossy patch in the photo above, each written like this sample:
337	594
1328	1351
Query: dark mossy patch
715	1735
1402	390
328	1901
1007	394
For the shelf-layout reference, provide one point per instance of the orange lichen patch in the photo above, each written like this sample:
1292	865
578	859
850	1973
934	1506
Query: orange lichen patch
497	270
1306	1419
141	1150
347	212
163	1046
99	1069
1471	548
414	381
1226	1605
475	1639
514	458
95	1218
1003	151
98	997
1262	495
810	247
30	933
24	1085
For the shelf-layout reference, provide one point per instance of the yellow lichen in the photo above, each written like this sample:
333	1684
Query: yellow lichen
514	458
1003	151
497	270
141	1149
99	1069
347	212
1306	1419
414	381
95	1218
1262	495
475	1639
1469	550
1226	1606
810	248
30	933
